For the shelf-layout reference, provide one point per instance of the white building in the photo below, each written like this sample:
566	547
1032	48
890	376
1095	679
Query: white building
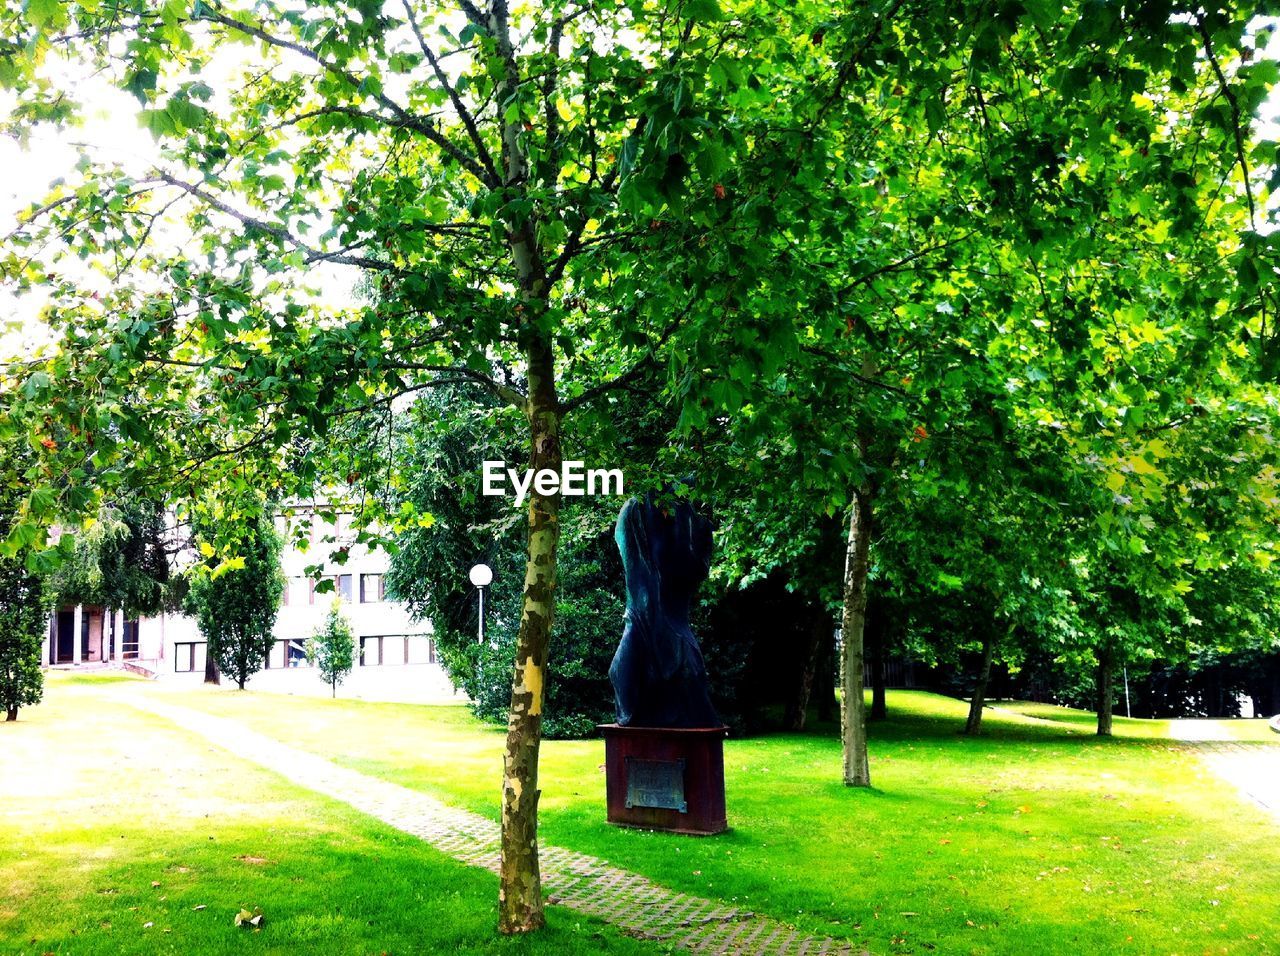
387	638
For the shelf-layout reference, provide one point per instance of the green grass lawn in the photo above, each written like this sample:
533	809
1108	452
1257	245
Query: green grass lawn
122	834
1251	730
1083	721
1037	837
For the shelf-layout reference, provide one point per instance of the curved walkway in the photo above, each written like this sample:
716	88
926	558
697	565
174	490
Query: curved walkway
589	885
1197	731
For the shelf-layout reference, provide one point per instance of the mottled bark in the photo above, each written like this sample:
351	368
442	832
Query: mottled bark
211	675
811	650
978	700
1106	690
520	908
520	893
853	724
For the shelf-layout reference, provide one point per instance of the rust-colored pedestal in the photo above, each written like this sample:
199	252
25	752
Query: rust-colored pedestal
666	778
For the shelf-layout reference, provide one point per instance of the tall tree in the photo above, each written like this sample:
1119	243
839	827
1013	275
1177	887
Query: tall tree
122	560
24	620
999	272
24	603
235	597
530	186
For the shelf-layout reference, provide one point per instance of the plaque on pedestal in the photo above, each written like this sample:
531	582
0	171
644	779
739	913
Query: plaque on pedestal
666	778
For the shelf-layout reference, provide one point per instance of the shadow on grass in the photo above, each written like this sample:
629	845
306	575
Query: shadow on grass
922	717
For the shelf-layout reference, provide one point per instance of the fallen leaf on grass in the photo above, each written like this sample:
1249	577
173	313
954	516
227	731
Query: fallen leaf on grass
154	884
148	925
245	918
198	908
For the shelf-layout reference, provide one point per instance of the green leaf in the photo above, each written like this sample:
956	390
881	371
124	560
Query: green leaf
1247	274
159	122
935	114
46	13
627	157
703	11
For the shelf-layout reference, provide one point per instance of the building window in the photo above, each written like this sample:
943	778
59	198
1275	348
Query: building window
184	656
372	589
370	651
295	653
343	581
129	646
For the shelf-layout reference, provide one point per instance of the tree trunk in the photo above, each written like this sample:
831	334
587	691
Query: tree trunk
333	684
853	724
878	627
520	907
11	714
211	675
798	706
520	895
1106	690
973	725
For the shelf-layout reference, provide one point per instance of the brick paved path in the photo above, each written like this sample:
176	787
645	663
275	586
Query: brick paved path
637	906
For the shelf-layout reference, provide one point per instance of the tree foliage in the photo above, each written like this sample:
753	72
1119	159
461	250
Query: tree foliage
439	440
24	603
332	649
847	240
121	561
235	598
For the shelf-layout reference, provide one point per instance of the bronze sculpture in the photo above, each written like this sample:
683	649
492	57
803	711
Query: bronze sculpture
658	675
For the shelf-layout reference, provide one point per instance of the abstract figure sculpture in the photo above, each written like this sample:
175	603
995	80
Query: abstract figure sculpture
658	676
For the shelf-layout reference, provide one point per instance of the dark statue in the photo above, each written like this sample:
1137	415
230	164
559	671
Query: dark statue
659	679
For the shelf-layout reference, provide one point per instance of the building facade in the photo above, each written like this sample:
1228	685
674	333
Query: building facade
386	634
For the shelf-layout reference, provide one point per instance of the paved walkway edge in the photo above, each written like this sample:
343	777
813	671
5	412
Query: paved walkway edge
633	903
1251	768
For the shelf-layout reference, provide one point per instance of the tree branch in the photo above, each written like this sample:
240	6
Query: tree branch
473	13
511	396
1241	158
468	120
280	232
642	365
548	95
405	118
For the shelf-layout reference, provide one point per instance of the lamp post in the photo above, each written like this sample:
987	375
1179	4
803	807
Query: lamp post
481	575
